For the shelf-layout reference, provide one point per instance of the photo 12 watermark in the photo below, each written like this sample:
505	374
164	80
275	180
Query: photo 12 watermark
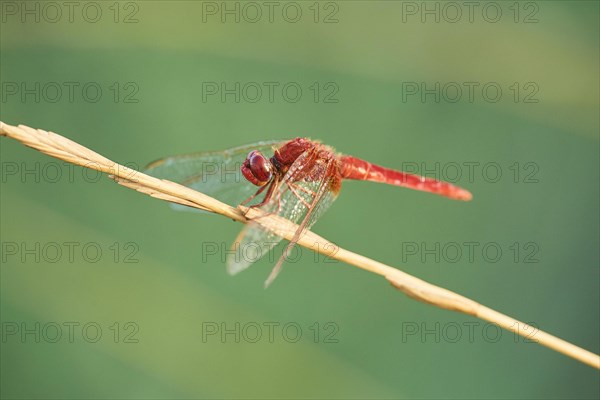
253	12
59	172
252	252
69	332
54	12
470	92
488	171
69	92
270	92
454	12
453	252
465	332
269	332
69	252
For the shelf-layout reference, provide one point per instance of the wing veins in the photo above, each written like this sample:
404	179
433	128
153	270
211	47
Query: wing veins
302	227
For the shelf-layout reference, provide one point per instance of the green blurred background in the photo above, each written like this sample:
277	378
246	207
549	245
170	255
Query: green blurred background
159	62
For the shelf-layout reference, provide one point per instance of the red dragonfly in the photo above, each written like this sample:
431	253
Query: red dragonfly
298	182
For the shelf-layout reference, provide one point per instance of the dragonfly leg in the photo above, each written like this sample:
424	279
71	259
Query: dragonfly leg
272	187
259	191
276	212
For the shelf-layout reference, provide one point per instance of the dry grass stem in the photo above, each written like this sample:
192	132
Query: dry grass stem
67	150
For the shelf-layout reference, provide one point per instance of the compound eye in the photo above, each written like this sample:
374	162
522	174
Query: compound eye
257	168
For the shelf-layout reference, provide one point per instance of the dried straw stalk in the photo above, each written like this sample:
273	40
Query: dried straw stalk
67	150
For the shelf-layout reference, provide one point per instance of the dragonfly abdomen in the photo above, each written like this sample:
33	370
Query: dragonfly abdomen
355	168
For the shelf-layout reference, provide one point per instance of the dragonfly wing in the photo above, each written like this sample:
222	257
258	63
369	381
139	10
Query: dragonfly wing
323	191
216	174
292	200
303	189
253	243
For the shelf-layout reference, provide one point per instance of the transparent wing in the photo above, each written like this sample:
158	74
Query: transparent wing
252	244
301	190
216	174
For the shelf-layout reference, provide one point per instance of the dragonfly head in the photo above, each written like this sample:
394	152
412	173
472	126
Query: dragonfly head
257	168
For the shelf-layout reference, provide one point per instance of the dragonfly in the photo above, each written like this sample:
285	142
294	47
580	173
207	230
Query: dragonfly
296	179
